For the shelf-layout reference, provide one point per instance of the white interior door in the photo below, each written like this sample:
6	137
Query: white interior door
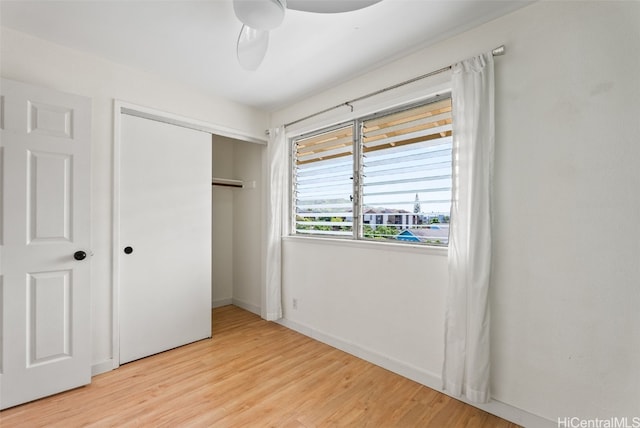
165	237
45	345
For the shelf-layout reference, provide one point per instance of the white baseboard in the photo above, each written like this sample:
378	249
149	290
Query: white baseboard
246	306
102	367
221	302
426	378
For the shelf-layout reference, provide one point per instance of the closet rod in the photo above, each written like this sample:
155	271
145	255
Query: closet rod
225	182
239	186
500	50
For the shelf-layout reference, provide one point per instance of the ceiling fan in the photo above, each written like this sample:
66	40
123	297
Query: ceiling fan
260	16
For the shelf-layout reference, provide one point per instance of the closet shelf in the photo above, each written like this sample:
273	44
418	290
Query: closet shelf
227	182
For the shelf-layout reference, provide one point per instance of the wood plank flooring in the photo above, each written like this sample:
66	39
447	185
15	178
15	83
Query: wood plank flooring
252	373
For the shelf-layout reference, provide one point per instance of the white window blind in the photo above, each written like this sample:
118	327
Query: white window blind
323	183
406	174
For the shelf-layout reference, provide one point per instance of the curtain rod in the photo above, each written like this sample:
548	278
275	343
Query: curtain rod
500	50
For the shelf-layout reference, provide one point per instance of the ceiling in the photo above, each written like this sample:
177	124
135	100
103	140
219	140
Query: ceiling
194	41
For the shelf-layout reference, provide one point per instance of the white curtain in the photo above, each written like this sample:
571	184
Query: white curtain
466	362
276	220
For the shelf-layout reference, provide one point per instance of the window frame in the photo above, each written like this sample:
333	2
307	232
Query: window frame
357	123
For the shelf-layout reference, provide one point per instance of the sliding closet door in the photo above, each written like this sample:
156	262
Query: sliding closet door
165	236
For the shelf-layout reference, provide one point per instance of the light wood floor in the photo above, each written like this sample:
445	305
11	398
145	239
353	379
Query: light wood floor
251	374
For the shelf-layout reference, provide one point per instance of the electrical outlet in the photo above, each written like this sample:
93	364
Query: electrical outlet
295	303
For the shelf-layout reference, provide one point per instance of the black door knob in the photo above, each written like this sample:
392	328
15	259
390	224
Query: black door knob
128	250
79	255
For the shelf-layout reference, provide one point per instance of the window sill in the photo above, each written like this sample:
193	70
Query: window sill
369	245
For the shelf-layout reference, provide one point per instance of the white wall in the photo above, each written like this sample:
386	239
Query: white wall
39	62
374	297
565	290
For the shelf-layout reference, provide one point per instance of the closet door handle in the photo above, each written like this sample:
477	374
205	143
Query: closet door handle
128	250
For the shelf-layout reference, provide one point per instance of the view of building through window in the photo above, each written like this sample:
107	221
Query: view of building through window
392	184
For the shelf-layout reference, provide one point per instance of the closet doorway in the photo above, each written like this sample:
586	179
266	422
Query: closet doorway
238	223
162	232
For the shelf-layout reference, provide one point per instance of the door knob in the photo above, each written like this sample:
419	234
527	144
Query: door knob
79	255
128	250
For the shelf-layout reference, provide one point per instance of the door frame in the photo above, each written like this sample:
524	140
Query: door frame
119	108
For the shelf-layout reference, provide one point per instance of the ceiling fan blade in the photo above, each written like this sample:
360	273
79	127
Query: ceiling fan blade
329	6
252	47
260	14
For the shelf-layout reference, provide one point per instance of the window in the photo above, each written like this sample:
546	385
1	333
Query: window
382	177
324	183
